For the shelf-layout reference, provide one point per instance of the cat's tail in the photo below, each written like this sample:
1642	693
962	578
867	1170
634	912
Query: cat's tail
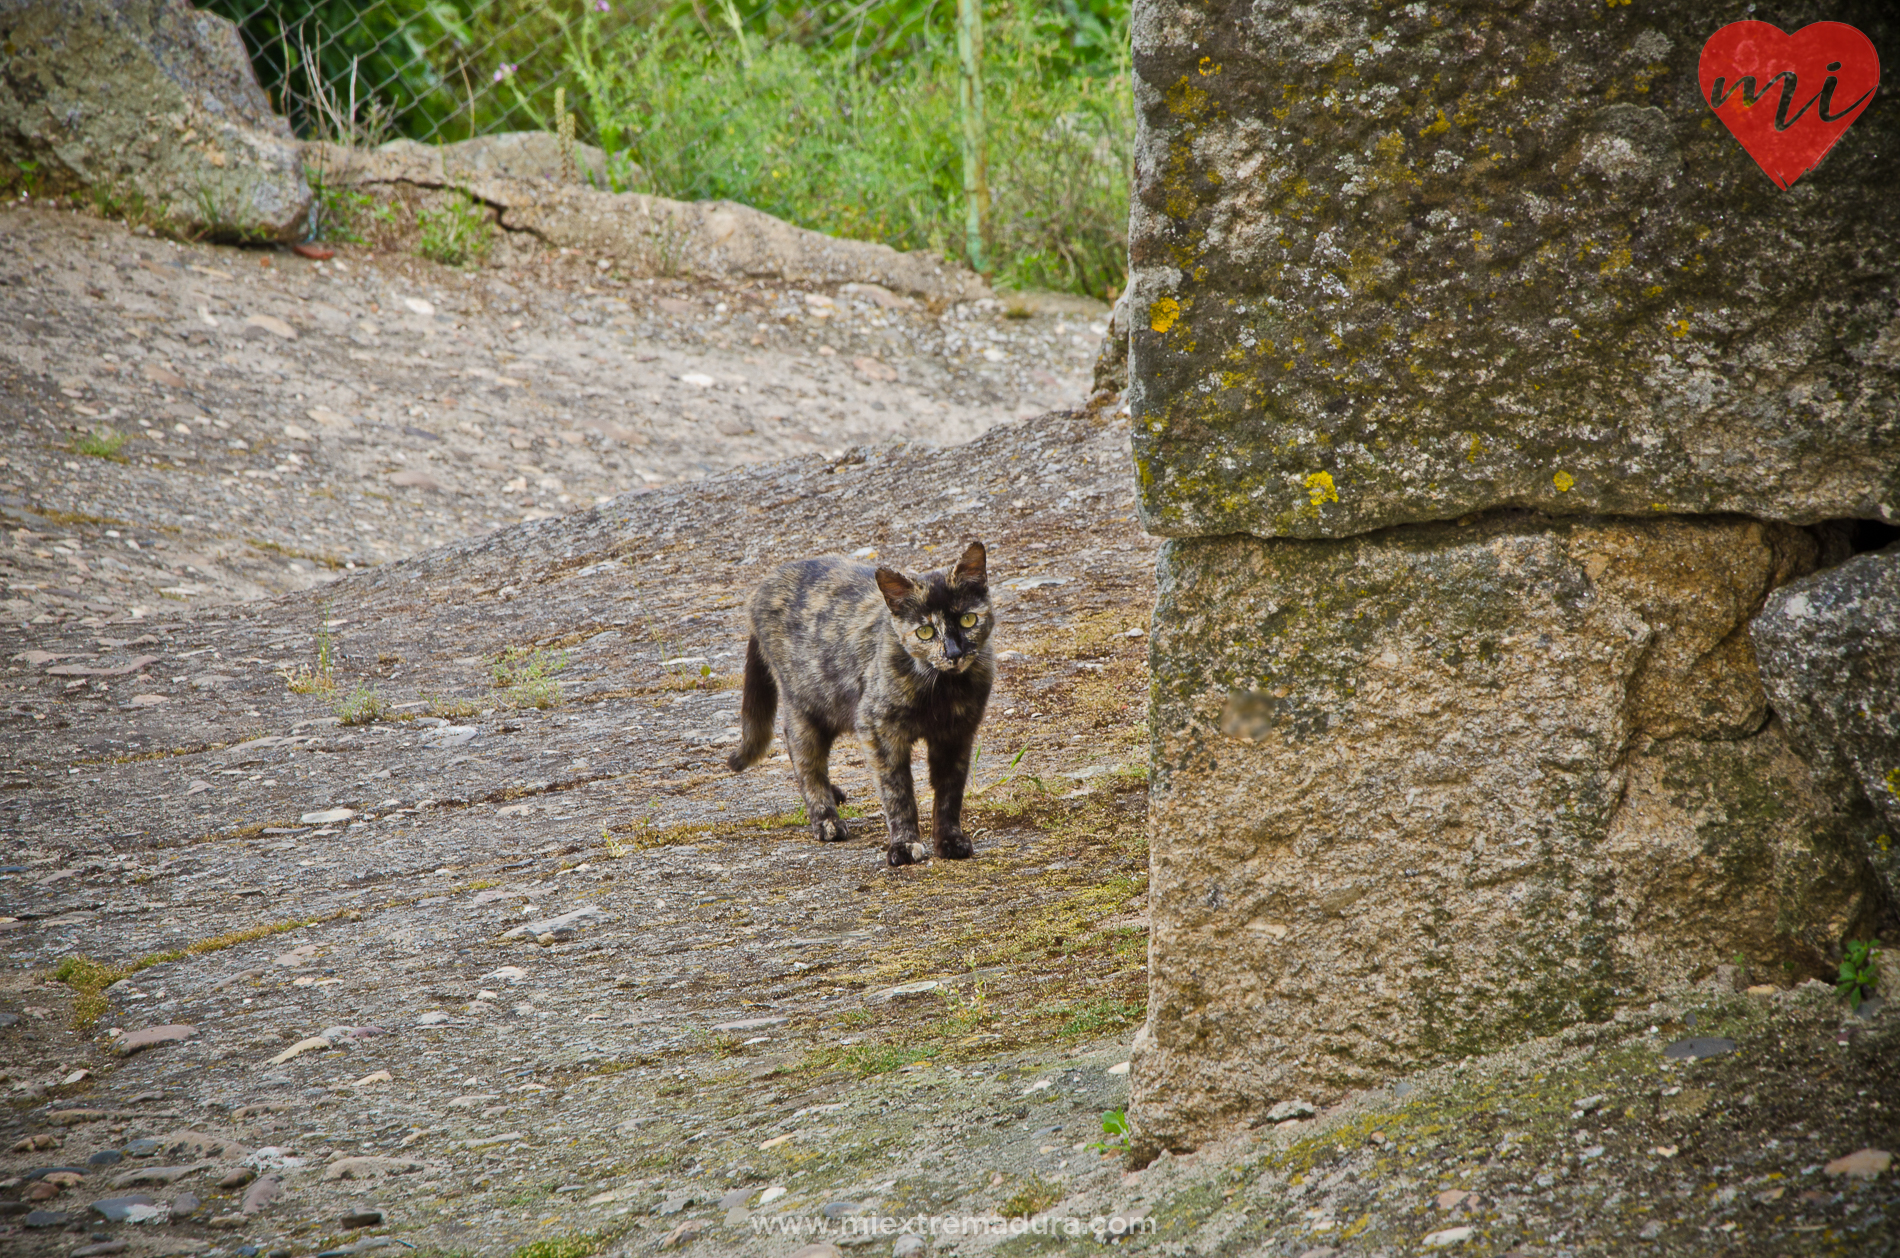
758	704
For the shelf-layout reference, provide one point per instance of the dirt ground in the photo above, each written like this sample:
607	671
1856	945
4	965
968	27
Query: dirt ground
283	418
372	879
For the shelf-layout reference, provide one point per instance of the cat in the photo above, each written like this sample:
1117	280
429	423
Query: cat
851	647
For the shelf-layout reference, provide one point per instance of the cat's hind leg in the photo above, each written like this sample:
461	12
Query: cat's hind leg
758	702
809	744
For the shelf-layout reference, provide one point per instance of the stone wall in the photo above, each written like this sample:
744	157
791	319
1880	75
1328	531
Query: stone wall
1490	390
1403	262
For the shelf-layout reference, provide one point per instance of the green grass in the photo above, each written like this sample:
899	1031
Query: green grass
99	445
458	233
362	706
89	978
526	677
868	149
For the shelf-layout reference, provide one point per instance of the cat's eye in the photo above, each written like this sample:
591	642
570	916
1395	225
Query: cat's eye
967	620
926	632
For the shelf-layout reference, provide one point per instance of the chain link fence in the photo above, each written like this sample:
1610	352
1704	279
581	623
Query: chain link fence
843	117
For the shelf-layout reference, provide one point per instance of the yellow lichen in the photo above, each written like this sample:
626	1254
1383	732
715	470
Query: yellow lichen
1163	312
1563	481
1319	488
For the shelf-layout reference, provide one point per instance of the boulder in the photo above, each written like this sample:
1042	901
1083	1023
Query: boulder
1829	646
1398	263
649	234
1426	792
152	101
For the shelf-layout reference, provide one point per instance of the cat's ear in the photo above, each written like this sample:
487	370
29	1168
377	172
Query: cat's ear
970	569
898	589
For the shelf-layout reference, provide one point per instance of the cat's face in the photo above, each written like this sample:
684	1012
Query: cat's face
948	640
942	619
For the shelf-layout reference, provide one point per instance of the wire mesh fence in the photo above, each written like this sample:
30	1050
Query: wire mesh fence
843	117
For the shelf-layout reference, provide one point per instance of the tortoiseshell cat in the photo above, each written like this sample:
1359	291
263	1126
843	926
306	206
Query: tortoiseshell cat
850	647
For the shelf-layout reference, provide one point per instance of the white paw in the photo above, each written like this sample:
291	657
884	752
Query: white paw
918	853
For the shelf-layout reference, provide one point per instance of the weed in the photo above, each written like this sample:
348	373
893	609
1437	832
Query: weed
879	1059
104	444
1034	1196
336	212
1115	1127
320	679
1008	775
575	1245
127	205
526	677
458	233
1094	1017
449	709
1860	971
362	706
831	138
26	178
704	679
615	848
219	215
89	978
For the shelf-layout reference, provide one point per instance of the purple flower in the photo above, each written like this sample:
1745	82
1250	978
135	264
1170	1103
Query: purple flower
603	6
504	72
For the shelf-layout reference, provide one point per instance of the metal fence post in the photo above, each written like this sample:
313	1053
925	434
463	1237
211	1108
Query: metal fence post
976	172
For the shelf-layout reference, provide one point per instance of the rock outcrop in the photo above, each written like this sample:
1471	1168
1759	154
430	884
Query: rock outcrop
1490	391
1430	791
148	104
1404	263
1830	658
654	234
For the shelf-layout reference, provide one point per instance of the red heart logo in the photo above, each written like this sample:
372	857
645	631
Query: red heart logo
1788	98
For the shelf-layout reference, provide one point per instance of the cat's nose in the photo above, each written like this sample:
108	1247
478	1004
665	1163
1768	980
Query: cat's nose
952	649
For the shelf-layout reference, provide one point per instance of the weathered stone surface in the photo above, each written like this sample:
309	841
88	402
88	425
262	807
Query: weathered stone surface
149	99
717	239
1399	263
1425	792
1830	659
151	1037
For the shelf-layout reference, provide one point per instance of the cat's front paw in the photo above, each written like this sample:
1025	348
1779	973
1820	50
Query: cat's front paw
828	827
902	853
952	846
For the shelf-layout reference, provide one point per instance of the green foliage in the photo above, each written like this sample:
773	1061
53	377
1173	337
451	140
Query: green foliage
406	56
320	679
526	677
337	213
456	234
1115	1127
838	116
1860	971
103	444
867	149
575	1245
1034	1196
1097	1016
362	706
1009	774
